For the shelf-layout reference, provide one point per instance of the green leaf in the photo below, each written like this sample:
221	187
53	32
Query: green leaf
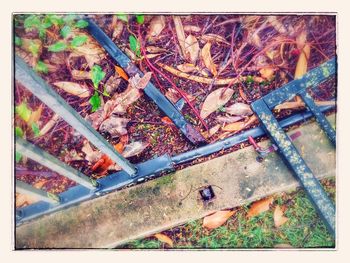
34	48
140	19
18	157
97	74
41	67
105	93
23	111
19	132
134	45
69	18
32	21
81	24
18	41
55	19
35	129
65	31
123	17
58	47
249	79
78	41
95	102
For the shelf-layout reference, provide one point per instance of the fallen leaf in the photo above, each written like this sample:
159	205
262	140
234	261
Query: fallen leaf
91	51
301	67
187	67
101	166
180	34
156	27
91	155
35	116
154	49
48	126
301	40
24	200
217	219
228	119
191	49
97	117
39	184
207	59
259	207
153	55
167	120
191	28
214	38
80	74
172	95
239	109
213	130
32	46
242	94
215	100
290	105
278	217
118	30
72	155
134	148
112	84
234	127
73	88
115	126
140	83
267	73
165	239
121	73
27	57
283	245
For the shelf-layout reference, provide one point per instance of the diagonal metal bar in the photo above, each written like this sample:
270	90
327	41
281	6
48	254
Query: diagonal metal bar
297	164
320	118
49	161
39	194
28	78
311	79
151	91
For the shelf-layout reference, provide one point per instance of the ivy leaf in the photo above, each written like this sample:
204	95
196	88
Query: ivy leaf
18	41
78	41
95	102
65	31
123	17
134	45
58	47
41	67
23	111
55	19
19	132
35	129
18	157
32	21
97	74
81	24
140	19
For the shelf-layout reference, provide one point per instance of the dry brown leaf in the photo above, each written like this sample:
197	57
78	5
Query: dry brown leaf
214	38
112	84
217	219
191	28
180	34
278	217
267	73
239	108
35	116
134	148
228	119
121	73
165	239
283	245
187	68
48	126
150	56
118	30
290	105
215	100
73	88
92	52
234	127
156	27
154	49
211	131
207	60
80	74
115	126
97	117
90	155
259	207
191	49
140	83
172	95
301	67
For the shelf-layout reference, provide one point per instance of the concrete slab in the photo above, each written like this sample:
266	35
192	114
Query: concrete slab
237	178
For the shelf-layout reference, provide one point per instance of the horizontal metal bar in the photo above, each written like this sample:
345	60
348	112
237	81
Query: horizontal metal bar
151	91
49	161
107	184
29	79
296	163
39	194
320	118
311	79
149	168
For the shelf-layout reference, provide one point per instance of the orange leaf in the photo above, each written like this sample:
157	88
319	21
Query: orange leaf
102	165
278	217
121	73
259	207
242	94
217	219
165	239
235	126
166	119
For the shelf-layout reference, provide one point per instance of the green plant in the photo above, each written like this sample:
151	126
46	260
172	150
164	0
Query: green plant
135	45
41	67
97	75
